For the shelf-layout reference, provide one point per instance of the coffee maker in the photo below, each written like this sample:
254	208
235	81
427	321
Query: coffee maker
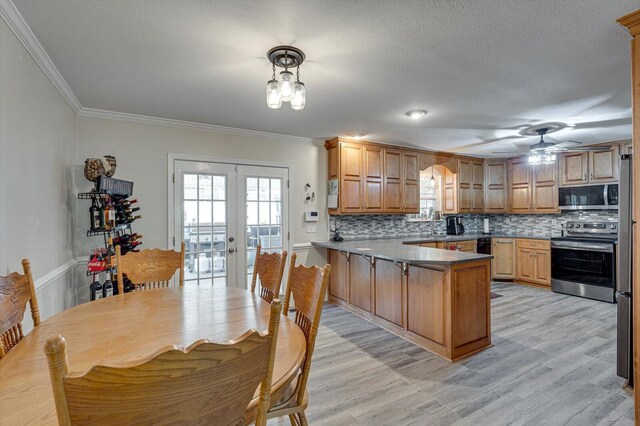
455	225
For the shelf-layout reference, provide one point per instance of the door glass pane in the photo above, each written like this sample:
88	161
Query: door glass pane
264	217
190	190
206	250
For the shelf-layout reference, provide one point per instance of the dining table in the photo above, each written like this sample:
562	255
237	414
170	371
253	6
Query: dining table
130	327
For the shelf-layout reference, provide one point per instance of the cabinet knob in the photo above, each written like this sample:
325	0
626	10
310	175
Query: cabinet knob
585	177
590	176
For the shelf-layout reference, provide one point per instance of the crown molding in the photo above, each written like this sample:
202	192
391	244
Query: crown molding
12	16
191	125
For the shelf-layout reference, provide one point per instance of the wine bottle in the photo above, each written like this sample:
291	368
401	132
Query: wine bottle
127	203
130	219
95	289
109	215
126	237
107	287
110	255
94	213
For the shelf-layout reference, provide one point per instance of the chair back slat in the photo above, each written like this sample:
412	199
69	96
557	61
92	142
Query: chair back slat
205	384
16	290
149	269
307	286
268	269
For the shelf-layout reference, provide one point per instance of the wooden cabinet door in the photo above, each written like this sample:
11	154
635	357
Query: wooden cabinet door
604	166
351	191
469	246
542	267
450	192
360	282
525	264
545	188
520	186
388	291
392	178
373	179
465	191
504	258
477	187
495	187
411	183
574	168
339	278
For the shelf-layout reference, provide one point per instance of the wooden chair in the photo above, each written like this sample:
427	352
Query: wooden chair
15	291
150	268
308	287
206	383
269	268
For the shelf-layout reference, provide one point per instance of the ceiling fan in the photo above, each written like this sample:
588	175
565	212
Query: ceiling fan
543	147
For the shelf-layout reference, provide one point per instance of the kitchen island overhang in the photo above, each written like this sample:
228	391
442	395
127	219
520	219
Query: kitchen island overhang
437	299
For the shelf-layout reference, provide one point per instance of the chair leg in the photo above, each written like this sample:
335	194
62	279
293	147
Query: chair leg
303	419
293	420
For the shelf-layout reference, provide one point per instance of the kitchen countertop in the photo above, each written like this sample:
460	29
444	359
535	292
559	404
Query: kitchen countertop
395	249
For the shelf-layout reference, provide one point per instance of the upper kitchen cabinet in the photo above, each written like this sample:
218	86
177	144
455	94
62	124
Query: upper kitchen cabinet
373	179
495	187
370	178
470	187
392	178
532	188
583	168
411	182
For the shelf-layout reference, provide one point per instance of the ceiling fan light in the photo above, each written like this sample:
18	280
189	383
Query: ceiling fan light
274	101
287	83
535	159
299	98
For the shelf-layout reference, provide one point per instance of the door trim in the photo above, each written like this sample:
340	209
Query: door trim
173	157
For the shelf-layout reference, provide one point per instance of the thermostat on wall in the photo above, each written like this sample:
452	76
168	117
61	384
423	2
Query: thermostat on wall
311	216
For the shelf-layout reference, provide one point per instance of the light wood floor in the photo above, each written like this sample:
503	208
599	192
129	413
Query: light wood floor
552	363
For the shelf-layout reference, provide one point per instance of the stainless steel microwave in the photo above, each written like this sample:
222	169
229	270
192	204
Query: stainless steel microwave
589	197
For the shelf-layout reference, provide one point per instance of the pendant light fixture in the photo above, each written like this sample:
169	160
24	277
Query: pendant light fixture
286	88
433	183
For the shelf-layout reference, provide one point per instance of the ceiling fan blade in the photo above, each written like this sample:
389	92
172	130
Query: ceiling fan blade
567	145
589	148
509	152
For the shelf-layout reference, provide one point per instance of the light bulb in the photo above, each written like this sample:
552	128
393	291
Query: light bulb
416	114
432	183
299	97
286	86
535	159
274	101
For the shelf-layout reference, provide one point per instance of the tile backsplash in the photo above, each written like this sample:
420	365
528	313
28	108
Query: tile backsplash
374	226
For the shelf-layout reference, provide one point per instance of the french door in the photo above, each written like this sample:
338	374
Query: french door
222	213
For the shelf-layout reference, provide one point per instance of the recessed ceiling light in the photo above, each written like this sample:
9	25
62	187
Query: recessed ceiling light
416	114
358	135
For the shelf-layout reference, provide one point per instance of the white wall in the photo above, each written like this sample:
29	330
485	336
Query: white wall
37	155
142	151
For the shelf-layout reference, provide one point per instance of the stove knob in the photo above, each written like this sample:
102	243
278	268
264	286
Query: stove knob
613	226
570	225
577	225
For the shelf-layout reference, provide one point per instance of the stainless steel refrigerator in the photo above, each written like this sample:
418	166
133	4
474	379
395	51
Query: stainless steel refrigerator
624	294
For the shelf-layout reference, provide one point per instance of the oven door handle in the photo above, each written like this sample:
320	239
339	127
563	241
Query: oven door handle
604	248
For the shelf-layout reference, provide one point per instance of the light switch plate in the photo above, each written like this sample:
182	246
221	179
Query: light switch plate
311	229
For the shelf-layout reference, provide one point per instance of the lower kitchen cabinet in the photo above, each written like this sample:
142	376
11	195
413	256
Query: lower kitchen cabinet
388	289
339	278
360	291
533	261
503	264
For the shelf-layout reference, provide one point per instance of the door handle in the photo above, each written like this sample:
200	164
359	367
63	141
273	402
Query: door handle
231	239
231	250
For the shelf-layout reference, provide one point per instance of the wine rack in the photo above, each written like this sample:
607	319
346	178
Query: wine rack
106	189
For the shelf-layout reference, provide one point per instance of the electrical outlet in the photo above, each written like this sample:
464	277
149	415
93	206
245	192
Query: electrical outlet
311	229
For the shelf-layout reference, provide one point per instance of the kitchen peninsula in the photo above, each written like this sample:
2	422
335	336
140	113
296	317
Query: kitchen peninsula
437	299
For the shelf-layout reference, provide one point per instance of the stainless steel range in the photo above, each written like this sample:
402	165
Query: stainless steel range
583	262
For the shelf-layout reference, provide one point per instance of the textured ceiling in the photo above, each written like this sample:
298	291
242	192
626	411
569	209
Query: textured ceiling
483	69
